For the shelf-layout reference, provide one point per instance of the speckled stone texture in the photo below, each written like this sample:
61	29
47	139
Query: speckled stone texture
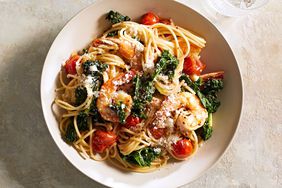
30	158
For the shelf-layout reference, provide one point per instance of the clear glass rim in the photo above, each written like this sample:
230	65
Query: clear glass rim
252	7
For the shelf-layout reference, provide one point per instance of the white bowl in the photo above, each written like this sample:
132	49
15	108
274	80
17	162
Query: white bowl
89	24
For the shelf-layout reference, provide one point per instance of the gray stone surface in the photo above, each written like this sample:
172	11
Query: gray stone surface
30	158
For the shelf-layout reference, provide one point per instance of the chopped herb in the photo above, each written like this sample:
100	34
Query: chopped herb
143	157
116	17
119	108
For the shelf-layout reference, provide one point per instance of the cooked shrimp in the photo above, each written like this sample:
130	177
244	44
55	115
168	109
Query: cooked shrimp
185	109
109	95
131	51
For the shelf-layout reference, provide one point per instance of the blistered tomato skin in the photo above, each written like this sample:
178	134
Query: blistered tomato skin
149	19
70	65
182	148
102	140
157	132
193	66
132	121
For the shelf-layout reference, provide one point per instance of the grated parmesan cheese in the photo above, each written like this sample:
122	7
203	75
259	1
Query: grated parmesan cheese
93	68
89	84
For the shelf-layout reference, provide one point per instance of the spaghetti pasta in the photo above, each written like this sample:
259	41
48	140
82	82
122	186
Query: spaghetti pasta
125	99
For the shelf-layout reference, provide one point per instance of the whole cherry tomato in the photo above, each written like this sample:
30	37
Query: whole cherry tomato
150	18
182	148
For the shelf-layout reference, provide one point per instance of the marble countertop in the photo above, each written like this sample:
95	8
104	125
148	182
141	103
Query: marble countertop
30	158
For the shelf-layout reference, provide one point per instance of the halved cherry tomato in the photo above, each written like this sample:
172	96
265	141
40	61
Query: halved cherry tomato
157	132
71	64
102	140
150	18
182	148
193	65
131	121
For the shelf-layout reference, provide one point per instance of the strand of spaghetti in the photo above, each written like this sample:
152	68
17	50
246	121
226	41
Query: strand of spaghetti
113	151
76	128
140	140
70	107
70	114
91	138
181	34
99	157
128	147
62	125
111	59
62	82
154	36
77	148
169	28
148	57
123	136
191	37
198	41
84	136
83	151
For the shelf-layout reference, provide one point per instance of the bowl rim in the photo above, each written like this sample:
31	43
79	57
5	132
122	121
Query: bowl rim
44	107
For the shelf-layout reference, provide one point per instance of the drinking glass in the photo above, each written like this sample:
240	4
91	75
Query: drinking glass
235	7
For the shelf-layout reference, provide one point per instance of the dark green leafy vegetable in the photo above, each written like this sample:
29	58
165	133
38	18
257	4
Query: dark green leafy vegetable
143	157
116	17
143	94
166	65
206	130
93	111
210	101
82	125
112	33
82	121
194	85
210	88
84	51
70	135
80	95
95	69
99	67
144	86
212	85
206	91
119	108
